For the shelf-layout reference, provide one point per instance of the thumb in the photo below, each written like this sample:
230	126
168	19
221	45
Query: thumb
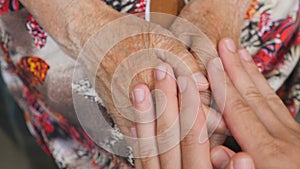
221	157
224	158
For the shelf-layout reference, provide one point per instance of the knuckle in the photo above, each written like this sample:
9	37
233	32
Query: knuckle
272	97
272	147
191	139
147	151
162	125
252	93
236	65
146	161
169	137
238	104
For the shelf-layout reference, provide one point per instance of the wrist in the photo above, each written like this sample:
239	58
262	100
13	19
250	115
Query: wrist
85	20
71	22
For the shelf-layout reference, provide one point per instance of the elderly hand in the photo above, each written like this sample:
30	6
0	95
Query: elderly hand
121	59
207	26
117	50
255	115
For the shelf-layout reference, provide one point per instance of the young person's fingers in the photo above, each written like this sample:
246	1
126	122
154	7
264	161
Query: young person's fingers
183	63
247	89
221	156
145	128
263	86
239	117
195	143
167	124
133	142
241	161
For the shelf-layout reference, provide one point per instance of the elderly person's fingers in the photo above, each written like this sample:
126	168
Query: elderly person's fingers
237	114
167	123
263	86
246	87
195	141
145	127
217	129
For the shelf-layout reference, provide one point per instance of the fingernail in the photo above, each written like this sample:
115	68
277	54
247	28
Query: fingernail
244	54
139	95
220	158
244	163
133	132
160	72
200	80
182	83
230	45
218	64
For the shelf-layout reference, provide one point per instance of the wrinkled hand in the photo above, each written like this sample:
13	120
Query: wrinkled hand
117	50
215	18
123	53
255	115
171	131
210	21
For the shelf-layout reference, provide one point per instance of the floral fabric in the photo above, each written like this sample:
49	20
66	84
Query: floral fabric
271	35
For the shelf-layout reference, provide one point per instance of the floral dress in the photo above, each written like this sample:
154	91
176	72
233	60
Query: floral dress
270	34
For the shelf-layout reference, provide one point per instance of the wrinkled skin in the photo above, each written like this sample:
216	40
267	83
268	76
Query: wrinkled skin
114	86
77	33
208	21
209	17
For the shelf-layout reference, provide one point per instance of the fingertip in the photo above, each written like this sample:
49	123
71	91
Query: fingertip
227	45
245	55
182	83
242	161
201	81
219	157
140	93
163	70
215	65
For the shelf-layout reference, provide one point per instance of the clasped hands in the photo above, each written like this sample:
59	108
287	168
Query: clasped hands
190	40
255	115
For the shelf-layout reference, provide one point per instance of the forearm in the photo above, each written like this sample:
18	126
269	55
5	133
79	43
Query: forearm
71	22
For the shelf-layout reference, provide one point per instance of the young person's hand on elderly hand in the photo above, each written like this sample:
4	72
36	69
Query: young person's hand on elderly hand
171	130
115	48
254	114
